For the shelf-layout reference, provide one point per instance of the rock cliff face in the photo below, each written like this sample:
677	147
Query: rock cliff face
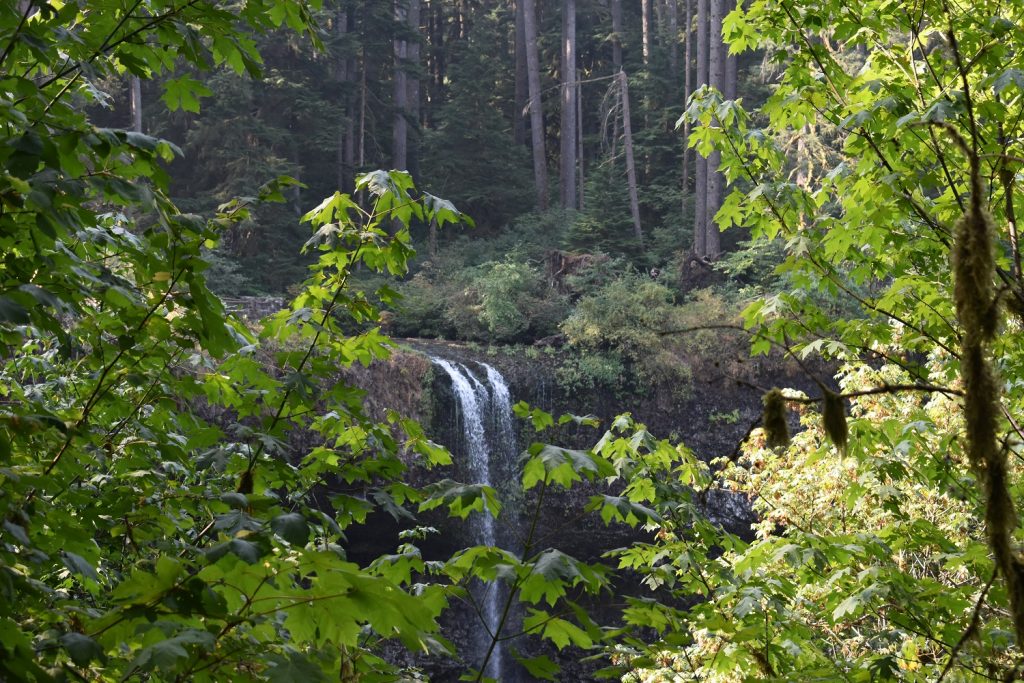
442	384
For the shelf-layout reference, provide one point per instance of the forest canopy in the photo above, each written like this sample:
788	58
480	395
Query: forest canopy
180	488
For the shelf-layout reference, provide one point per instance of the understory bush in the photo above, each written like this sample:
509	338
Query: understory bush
625	320
502	301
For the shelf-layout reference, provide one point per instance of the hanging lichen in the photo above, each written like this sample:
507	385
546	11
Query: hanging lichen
834	420
776	427
974	266
977	310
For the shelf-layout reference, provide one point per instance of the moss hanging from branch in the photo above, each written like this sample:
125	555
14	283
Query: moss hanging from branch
977	309
776	429
834	420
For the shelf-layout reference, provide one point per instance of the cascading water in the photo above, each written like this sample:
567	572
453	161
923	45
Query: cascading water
484	416
501	412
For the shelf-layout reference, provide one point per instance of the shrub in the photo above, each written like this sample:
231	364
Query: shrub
626	318
496	302
626	314
515	302
587	371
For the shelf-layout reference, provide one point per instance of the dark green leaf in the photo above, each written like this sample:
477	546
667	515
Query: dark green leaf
292	527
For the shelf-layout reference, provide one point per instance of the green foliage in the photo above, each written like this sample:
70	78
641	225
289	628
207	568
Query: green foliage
752	266
514	300
877	556
593	371
605	225
621	333
157	522
140	536
503	301
156	516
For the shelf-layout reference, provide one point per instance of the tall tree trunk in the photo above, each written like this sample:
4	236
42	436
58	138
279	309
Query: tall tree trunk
645	29
136	103
730	64
540	169
521	87
567	132
342	76
399	125
412	79
700	190
351	142
579	138
362	109
616	12
627	143
672	10
463	20
687	89
716	76
436	64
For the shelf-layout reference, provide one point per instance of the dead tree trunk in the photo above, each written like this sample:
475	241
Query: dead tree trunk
540	169
627	143
700	189
616	12
730	64
672	10
521	87
687	89
716	77
579	139
567	132
645	28
399	128
412	97
344	70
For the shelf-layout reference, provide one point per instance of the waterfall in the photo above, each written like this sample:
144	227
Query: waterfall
501	411
484	417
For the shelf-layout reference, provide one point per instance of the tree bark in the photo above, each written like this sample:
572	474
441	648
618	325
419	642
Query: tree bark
716	77
687	89
700	189
645	28
616	12
672	10
627	143
136	103
730	64
540	169
579	138
362	109
413	88
351	144
437	64
344	69
399	127
567	131
521	87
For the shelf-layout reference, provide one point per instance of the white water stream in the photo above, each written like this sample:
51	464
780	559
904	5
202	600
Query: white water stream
485	421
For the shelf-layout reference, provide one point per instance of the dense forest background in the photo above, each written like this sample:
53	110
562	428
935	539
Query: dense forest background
528	138
558	127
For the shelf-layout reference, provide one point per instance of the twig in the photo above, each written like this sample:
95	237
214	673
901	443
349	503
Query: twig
971	629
